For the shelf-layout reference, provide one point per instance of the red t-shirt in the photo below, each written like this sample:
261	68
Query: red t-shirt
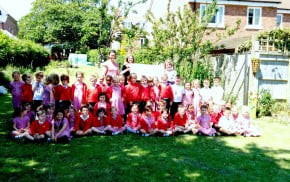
27	93
147	93
36	127
147	124
215	117
97	122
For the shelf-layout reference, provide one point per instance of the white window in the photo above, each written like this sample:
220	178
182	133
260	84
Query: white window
128	24
279	20
218	19
254	18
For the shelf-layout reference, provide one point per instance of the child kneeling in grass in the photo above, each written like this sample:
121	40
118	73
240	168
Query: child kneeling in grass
226	123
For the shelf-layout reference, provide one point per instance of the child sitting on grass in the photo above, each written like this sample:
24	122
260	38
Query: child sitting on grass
84	122
40	128
245	125
21	124
147	122
133	120
115	121
226	123
100	123
60	131
163	124
204	122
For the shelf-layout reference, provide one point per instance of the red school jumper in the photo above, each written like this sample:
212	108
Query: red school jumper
84	125
166	92
133	121
178	120
115	122
66	93
133	92
93	94
162	124
27	93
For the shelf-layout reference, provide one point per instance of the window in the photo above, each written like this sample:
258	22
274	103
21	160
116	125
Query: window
218	19
127	24
254	18
279	20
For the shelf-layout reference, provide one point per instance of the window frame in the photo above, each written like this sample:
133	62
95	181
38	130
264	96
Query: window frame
217	23
253	26
281	23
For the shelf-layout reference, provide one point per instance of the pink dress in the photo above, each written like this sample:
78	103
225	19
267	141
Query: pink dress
21	122
196	101
58	124
116	100
78	95
188	97
205	126
46	95
111	68
16	92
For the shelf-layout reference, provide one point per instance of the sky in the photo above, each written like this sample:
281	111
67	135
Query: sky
16	8
19	8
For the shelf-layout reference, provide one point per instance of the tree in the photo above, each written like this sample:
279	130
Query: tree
75	24
180	36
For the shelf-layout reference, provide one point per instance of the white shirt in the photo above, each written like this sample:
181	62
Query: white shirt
178	92
217	94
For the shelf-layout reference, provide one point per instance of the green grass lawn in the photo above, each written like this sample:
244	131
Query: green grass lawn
134	158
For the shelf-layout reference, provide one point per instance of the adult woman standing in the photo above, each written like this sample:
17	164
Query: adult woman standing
111	67
126	67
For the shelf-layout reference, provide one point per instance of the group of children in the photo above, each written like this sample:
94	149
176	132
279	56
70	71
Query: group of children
48	110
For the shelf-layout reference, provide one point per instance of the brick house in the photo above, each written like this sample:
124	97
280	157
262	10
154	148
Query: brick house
255	15
8	23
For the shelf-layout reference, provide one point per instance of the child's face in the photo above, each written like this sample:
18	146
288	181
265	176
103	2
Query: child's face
71	111
102	98
190	109
79	78
101	79
181	111
59	116
196	84
134	109
155	81
101	114
38	78
168	66
246	114
216	82
93	82
206	84
41	118
28	80
227	113
161	106
165	115
144	81
108	81
130	59
134	79
187	86
16	77
50	110
28	107
203	111
64	82
114	110
121	80
177	81
116	83
85	111
164	79
148	113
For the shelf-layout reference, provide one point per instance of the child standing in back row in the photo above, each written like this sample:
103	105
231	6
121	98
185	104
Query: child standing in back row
15	89
79	90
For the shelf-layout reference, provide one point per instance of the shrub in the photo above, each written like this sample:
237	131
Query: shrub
22	53
265	103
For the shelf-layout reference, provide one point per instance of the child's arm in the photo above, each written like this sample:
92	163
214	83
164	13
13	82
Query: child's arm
52	130
61	130
28	125
14	127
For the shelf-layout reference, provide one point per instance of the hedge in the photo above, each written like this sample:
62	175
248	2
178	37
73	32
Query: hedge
22	53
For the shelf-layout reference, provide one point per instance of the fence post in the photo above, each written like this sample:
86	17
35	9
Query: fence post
246	81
